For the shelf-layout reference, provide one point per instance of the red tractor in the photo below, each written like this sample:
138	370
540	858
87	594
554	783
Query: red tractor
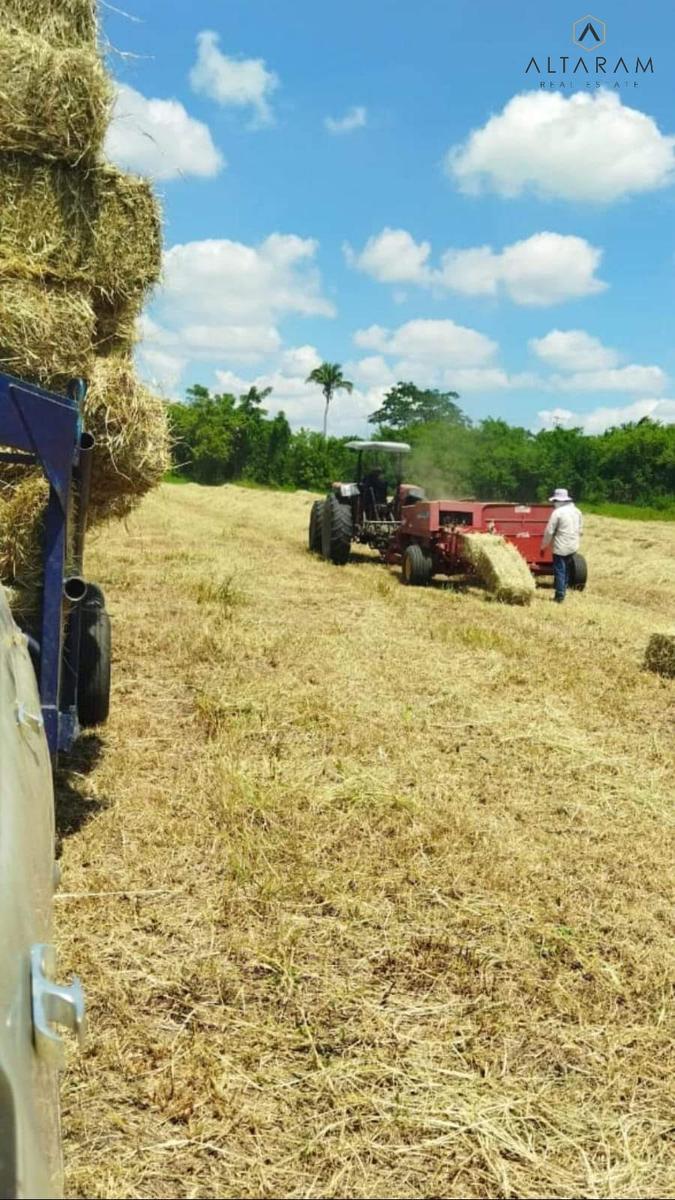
425	536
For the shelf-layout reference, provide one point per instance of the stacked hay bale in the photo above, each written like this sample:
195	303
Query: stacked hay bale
500	567
80	247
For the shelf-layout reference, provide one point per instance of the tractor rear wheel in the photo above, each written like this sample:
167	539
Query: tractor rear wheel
316	526
93	681
577	572
336	531
417	566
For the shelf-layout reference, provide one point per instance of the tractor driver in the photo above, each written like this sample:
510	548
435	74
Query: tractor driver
374	492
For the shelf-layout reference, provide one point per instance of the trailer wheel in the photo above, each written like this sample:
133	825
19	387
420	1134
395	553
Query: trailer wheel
93	682
336	531
577	572
417	566
316	526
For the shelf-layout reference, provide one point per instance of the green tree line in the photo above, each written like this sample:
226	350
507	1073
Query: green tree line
221	437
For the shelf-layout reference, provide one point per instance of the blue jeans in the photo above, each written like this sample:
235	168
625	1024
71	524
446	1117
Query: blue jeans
561	573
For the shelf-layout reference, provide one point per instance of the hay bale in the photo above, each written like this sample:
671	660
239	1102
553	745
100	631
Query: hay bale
660	654
99	226
130	425
22	507
500	567
53	103
60	22
116	331
46	331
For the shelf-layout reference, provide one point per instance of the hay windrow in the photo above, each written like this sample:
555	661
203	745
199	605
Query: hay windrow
45	331
660	654
130	426
60	22
500	567
99	226
53	103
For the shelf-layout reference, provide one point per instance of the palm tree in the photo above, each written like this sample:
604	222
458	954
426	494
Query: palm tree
330	380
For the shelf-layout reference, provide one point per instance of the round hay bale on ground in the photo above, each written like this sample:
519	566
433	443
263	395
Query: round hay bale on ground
45	331
500	567
98	226
130	425
53	103
660	654
60	22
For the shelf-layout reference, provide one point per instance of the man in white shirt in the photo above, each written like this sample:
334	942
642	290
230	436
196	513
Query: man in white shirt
564	531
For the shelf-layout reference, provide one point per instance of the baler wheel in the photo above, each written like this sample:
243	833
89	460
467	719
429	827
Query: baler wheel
578	572
417	566
316	526
93	684
336	533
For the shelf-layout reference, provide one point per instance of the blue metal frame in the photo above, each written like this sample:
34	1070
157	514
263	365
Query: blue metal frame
45	429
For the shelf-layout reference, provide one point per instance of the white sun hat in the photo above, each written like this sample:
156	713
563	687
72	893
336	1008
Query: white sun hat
560	495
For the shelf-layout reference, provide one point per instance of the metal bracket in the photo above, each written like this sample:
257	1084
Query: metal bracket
53	1004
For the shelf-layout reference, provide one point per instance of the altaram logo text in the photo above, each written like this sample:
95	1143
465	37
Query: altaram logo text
590	69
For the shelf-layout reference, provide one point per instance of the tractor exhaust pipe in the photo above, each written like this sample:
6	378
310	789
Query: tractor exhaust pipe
87	443
74	590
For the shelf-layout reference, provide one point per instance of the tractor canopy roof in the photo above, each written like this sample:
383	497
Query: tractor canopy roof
387	447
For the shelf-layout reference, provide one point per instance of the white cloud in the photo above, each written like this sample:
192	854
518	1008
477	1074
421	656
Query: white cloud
590	366
441	343
233	82
573	350
632	378
303	402
487	379
159	138
546	268
354	118
588	148
220	302
392	256
599	419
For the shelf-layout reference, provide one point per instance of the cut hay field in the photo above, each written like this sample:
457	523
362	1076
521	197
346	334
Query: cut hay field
371	888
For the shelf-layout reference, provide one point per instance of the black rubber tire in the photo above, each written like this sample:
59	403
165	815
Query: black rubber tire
93	681
577	572
336	539
316	526
417	567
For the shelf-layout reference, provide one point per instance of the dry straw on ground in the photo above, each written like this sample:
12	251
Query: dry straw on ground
99	226
129	423
500	567
53	103
59	22
46	331
660	654
370	887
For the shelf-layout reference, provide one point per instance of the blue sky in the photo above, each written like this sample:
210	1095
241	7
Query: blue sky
381	184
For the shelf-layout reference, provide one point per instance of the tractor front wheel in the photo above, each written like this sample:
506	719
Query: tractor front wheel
336	531
577	572
316	526
417	566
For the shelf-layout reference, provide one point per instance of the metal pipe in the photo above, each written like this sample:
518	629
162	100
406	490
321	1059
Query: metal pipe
74	589
87	443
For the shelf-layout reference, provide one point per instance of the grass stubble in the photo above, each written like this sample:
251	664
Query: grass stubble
370	887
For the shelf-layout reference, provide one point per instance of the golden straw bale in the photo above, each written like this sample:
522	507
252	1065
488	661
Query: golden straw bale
22	506
61	22
99	226
45	331
53	103
500	567
130	425
116	331
660	654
